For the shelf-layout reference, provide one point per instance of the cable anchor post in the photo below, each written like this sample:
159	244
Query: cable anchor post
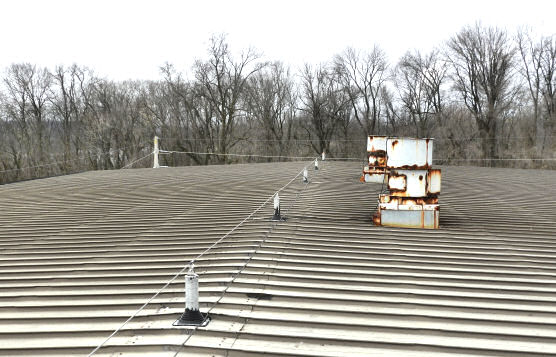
192	316
276	216
156	151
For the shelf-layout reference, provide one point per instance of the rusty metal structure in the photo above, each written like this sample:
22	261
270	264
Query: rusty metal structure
376	170
405	166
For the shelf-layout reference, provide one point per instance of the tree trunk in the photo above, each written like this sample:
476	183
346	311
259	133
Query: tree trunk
539	131
492	143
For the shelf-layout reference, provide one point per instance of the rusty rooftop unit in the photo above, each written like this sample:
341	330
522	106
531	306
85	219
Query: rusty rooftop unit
405	166
81	253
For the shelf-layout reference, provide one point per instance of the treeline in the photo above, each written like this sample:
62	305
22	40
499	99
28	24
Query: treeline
487	96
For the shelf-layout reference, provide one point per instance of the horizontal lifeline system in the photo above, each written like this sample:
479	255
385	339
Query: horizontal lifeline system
156	152
59	162
246	262
190	316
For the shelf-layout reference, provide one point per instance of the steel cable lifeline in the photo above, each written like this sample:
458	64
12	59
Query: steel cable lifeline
238	155
72	160
344	158
274	156
133	162
88	149
262	156
256	155
195	259
43	165
250	257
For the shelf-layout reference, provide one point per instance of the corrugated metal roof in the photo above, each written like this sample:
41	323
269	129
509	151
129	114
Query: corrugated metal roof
81	253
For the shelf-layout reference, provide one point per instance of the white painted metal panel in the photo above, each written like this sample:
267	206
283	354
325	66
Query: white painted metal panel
415	183
376	178
388	205
409	152
409	218
397	182
434	178
376	143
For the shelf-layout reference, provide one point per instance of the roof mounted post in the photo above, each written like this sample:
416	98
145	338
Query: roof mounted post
156	165
276	216
192	316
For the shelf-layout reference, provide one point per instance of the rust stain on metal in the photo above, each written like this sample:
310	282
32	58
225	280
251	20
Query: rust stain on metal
376	218
378	153
410	167
375	160
412	183
374	171
409	201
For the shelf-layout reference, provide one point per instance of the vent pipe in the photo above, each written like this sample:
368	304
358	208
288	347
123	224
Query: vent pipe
192	316
316	164
323	156
305	176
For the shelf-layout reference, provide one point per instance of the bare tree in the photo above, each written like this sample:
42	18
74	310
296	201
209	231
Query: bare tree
322	100
240	104
28	91
115	125
67	109
342	111
15	135
548	91
390	111
364	75
37	83
419	79
482	60
222	80
271	100
180	116
531	54
16	109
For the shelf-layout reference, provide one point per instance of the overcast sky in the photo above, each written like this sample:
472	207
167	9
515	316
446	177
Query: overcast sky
132	39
